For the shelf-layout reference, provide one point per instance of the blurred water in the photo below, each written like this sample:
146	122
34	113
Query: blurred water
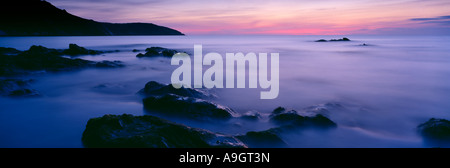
387	87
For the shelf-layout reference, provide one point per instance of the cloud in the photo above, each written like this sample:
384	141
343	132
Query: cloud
435	18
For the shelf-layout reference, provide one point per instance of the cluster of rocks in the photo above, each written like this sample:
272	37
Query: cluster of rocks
342	39
156	52
151	131
14	63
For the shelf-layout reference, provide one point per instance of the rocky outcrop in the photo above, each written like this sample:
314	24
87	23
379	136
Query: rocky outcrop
154	88
435	129
342	39
290	118
157	52
189	107
39	58
17	88
149	131
263	139
75	50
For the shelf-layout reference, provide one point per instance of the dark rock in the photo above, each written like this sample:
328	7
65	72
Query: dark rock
109	64
436	129
149	131
153	88
157	51
135	50
291	118
17	88
9	51
251	115
262	139
342	39
39	58
189	107
75	50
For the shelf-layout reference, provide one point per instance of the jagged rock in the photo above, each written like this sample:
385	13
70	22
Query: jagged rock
157	51
263	139
154	88
17	88
291	118
436	129
75	50
189	107
149	131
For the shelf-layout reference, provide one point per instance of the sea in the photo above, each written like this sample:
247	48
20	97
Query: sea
386	86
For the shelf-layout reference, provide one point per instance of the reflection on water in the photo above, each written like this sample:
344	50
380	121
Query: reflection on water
387	87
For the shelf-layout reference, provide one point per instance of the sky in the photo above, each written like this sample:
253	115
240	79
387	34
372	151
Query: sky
285	17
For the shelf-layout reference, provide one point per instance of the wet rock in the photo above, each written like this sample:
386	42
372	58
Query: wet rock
251	115
39	58
8	51
149	131
109	64
262	139
17	88
436	129
157	51
291	118
75	50
135	50
154	88
194	108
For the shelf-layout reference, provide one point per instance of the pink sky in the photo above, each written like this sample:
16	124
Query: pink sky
296	17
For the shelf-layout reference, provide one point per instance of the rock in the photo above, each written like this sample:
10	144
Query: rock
251	115
154	88
342	39
194	108
75	50
109	64
8	51
17	88
149	131
262	139
291	118
435	129
135	50
39	58
157	51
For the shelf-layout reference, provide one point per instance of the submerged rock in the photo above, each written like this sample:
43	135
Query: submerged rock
149	131
262	139
157	51
189	107
154	88
291	118
17	88
39	58
436	129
